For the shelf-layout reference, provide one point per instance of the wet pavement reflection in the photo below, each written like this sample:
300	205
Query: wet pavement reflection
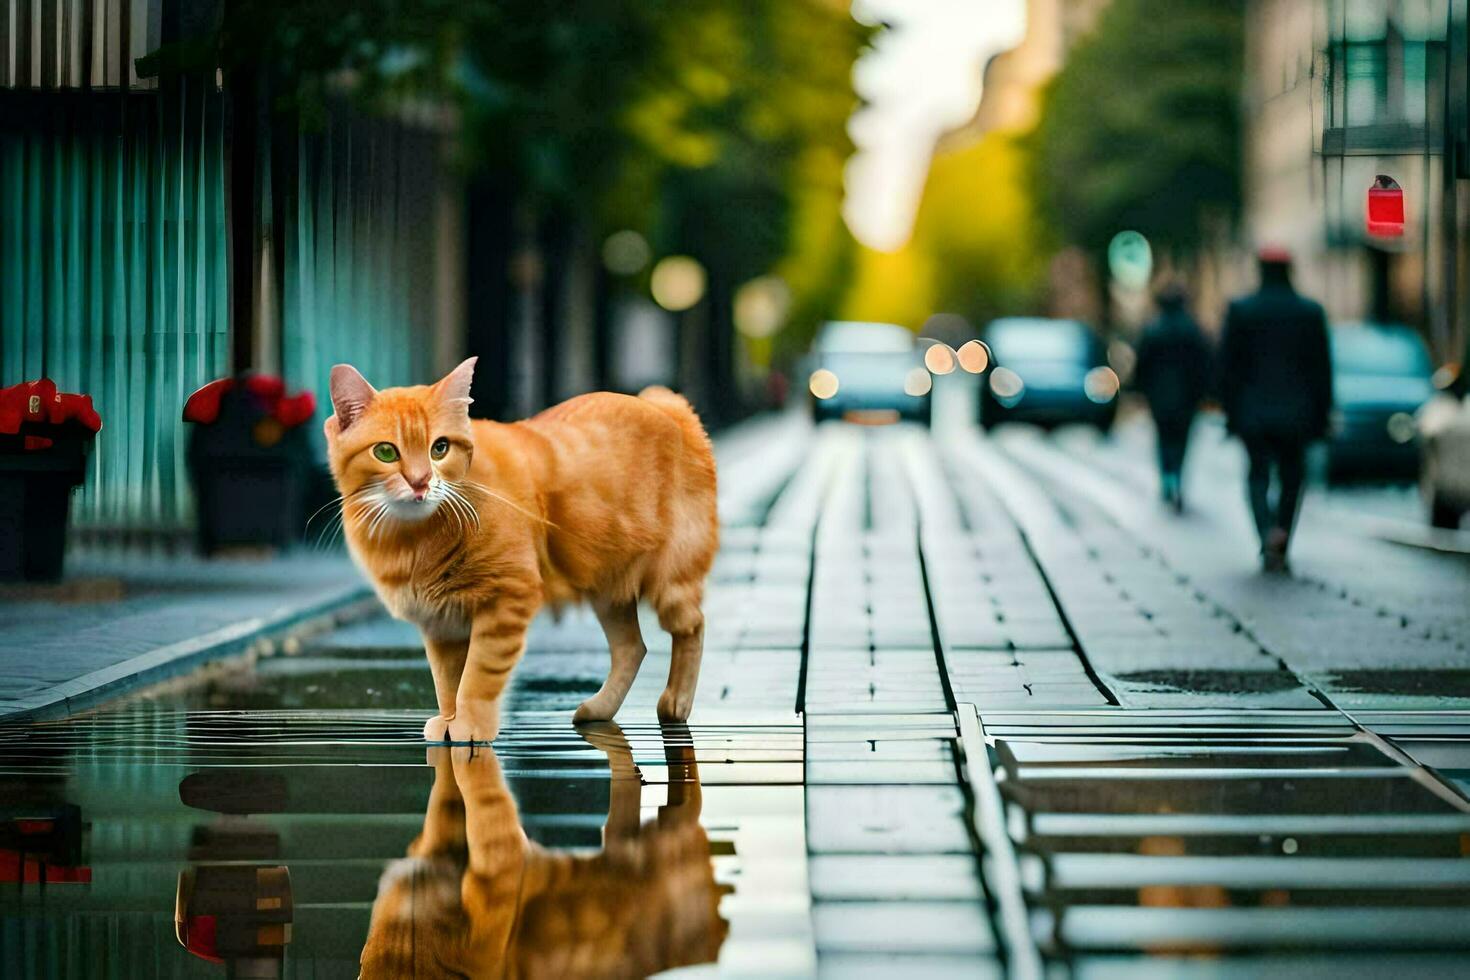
475	896
931	740
1192	837
233	823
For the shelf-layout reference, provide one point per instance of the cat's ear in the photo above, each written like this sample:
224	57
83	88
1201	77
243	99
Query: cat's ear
351	394
454	387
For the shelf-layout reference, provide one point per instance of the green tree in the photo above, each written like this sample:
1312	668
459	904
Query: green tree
976	250
1141	128
715	127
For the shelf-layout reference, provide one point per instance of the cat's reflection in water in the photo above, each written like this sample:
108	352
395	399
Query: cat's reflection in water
476	898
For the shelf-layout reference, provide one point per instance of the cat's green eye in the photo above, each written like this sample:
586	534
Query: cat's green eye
385	452
440	448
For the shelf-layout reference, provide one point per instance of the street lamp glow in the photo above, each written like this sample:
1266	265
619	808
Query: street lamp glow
625	252
677	283
939	359
761	306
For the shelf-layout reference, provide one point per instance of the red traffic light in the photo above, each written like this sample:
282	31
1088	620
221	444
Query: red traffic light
1385	208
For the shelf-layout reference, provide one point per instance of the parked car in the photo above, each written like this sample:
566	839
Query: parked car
1048	372
1444	475
1380	378
868	372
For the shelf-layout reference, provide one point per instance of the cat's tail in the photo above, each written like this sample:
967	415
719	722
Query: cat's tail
677	407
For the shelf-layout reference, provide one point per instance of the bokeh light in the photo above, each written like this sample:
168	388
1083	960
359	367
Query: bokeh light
625	252
1122	358
939	359
1006	385
761	306
973	356
677	283
1402	428
823	383
917	382
1101	385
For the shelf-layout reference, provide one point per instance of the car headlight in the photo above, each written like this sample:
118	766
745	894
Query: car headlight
1101	385
1401	427
1006	385
823	384
917	382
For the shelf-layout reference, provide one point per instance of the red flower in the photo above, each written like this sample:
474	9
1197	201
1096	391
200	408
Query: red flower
65	408
267	387
203	405
268	393
39	403
295	410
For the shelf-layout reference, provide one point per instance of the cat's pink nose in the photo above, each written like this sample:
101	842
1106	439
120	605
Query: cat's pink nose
419	485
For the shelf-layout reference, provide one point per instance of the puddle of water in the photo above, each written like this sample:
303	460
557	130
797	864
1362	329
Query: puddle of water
285	818
1426	689
1239	682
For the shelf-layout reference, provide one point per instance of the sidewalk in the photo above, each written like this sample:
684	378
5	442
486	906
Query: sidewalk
119	622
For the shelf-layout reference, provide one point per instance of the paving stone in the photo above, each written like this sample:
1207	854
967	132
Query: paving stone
820	772
902	927
861	966
893	877
881	750
886	820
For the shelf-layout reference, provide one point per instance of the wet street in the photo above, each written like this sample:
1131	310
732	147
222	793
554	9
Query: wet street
969	706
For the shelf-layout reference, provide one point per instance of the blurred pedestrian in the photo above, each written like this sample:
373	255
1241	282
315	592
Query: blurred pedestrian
1173	372
1276	389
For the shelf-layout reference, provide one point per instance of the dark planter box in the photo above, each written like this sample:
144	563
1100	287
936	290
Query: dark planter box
245	501
35	501
248	493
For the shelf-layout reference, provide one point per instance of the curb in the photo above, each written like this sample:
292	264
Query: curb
88	690
1406	533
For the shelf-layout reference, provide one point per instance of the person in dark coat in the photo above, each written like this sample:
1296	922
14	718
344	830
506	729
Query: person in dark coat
1173	372
1276	390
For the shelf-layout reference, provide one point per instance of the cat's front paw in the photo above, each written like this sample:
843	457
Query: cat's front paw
436	729
595	708
475	721
675	705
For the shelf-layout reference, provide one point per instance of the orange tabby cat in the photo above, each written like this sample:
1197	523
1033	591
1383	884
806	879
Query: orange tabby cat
467	528
476	898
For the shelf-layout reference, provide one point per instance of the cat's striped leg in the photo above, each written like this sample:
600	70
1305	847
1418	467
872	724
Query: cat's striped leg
680	614
625	646
625	787
685	797
446	663
497	640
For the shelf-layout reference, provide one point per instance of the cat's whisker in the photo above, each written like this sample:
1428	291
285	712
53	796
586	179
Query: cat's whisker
465	514
461	502
462	513
439	497
507	501
322	535
316	513
341	499
374	513
380	519
443	496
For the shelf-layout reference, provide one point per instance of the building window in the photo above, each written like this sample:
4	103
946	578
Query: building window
1385	66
